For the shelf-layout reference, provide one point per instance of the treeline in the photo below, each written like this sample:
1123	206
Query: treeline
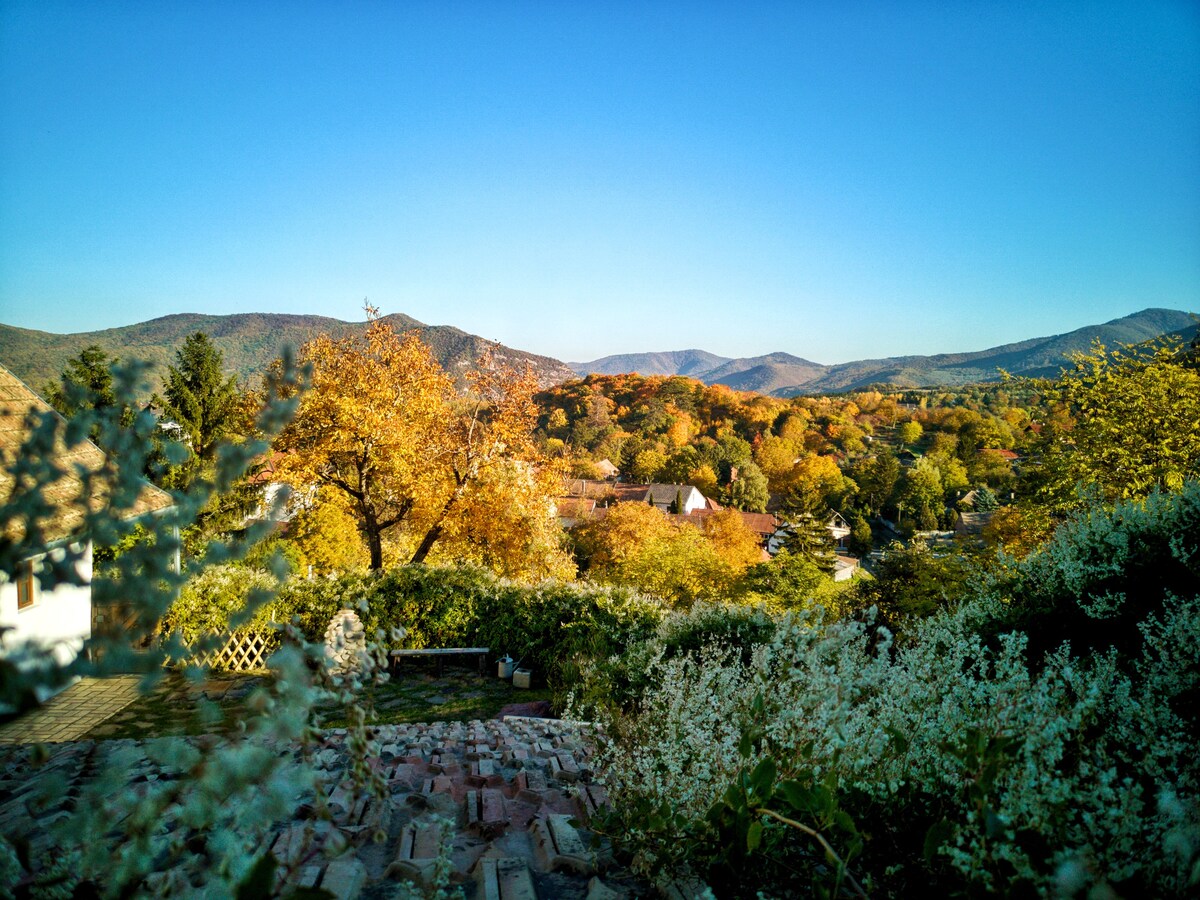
388	463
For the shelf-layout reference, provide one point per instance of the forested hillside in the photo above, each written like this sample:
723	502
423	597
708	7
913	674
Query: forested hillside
249	342
783	375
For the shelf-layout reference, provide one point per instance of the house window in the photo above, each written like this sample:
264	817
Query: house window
26	586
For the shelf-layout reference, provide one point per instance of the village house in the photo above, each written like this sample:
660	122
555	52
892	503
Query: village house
590	489
971	524
59	620
607	470
682	499
570	511
844	567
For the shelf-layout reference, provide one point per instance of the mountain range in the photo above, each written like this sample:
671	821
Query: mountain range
250	341
784	375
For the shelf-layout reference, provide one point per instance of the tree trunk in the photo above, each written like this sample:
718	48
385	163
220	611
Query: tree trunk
374	538
427	543
435	531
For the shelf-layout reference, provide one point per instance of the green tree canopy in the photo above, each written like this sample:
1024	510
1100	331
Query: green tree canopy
909	432
1135	425
86	385
807	519
749	491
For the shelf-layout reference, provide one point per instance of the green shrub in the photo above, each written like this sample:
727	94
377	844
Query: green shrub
611	680
214	601
1104	571
556	627
552	627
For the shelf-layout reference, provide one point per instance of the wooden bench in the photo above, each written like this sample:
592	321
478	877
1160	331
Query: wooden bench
441	653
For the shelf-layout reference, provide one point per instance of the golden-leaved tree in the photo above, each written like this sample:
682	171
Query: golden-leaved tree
383	424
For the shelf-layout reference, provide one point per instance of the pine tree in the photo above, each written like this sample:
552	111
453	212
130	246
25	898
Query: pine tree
86	385
985	499
198	396
808	532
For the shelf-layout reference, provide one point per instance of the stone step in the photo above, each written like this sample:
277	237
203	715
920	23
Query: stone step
344	878
442	784
514	754
484	773
486	814
505	879
531	786
559	846
591	798
417	852
568	768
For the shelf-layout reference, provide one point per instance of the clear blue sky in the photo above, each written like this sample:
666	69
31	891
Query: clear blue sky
836	180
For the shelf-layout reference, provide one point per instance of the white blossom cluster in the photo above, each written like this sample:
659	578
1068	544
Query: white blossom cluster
1096	779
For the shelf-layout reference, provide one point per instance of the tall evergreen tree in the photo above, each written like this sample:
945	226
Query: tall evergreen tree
986	500
199	397
748	492
808	534
86	384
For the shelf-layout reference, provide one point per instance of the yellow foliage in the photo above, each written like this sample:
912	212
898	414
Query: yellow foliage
682	428
383	424
704	479
732	539
507	524
817	475
776	457
620	534
327	536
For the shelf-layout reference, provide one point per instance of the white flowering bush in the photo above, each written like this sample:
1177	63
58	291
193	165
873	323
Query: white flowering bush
967	762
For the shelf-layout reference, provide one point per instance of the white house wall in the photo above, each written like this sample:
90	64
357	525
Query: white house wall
60	619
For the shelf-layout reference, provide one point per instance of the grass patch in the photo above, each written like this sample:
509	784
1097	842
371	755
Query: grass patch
455	696
178	707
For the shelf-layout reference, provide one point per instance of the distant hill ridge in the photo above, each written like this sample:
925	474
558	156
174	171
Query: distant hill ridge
784	375
248	342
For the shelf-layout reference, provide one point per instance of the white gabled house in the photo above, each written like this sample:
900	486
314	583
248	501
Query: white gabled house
683	499
59	620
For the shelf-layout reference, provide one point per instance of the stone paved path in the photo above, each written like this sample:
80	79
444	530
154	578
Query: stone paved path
73	713
510	799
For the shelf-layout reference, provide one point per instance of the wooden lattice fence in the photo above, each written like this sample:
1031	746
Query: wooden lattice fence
242	652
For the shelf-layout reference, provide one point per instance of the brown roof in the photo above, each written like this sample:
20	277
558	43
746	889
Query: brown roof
631	493
588	488
574	507
16	401
972	523
759	523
